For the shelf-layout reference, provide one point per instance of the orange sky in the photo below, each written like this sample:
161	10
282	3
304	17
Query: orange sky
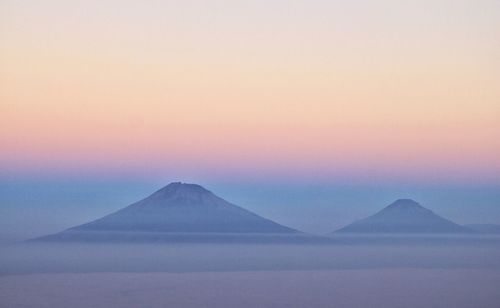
394	89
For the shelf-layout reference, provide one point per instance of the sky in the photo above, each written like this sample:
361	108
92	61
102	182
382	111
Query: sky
335	107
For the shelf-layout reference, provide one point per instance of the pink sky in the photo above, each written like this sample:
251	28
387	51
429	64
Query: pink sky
290	88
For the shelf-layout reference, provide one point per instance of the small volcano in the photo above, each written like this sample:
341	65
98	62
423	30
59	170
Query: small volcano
404	216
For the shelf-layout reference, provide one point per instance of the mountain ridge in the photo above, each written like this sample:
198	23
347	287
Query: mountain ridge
485	228
178	208
404	216
182	207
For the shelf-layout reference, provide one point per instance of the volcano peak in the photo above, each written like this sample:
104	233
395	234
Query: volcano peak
404	216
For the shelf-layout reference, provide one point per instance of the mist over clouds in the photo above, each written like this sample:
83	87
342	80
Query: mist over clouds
35	207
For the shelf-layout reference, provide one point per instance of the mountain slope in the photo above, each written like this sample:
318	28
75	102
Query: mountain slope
485	228
404	216
182	207
176	212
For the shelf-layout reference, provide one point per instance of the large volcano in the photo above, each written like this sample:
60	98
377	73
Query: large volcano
178	210
404	216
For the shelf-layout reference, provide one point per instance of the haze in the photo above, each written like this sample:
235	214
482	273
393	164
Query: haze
310	114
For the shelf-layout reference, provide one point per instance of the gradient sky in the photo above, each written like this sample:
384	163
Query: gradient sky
290	92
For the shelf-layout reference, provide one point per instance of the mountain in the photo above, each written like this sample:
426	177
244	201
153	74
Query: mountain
177	212
485	228
404	216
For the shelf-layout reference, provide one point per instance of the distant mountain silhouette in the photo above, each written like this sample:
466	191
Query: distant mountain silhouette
404	216
184	212
485	228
